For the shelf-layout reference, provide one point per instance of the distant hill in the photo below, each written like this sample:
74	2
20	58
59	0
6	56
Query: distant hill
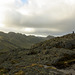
13	40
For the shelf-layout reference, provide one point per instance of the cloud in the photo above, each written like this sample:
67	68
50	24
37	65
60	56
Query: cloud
44	16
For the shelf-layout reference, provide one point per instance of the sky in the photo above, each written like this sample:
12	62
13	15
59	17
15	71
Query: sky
37	17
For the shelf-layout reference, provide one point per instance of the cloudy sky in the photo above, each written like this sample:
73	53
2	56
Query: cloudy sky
38	17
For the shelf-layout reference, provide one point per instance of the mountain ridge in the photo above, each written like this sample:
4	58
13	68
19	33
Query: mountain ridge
14	40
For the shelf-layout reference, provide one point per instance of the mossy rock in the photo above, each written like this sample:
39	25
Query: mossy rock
3	71
19	73
65	61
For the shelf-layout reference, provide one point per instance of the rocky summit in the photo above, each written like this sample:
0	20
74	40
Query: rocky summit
51	57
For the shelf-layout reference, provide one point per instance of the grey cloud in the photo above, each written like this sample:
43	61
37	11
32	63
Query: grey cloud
12	18
15	19
36	21
68	25
45	31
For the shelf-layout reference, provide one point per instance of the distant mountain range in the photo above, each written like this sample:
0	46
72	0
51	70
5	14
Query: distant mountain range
13	40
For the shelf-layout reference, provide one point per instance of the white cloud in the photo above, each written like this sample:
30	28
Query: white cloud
44	15
55	9
29	30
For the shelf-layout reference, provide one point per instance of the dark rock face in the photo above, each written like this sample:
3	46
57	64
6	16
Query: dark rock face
57	53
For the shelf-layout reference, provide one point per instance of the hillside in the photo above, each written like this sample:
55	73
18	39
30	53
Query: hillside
50	57
57	50
13	40
66	41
